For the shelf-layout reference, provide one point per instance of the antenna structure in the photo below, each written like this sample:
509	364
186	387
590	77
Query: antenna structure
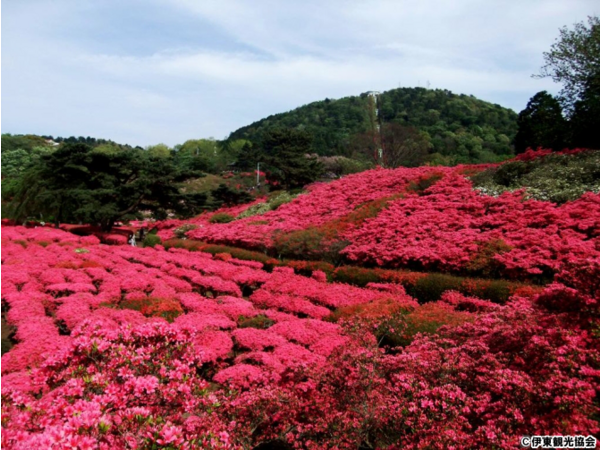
375	119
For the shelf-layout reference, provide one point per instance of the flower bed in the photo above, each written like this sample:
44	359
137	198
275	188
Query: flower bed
122	347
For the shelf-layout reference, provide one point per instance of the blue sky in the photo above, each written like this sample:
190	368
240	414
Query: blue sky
144	72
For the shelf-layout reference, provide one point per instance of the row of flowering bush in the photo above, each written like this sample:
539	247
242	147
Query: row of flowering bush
422	218
122	347
453	225
53	281
323	202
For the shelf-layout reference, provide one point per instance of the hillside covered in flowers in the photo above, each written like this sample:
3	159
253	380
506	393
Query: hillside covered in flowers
426	218
120	347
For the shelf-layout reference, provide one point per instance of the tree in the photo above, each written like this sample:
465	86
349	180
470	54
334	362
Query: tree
159	150
541	124
401	146
285	154
574	60
99	186
202	154
585	121
226	196
248	157
404	146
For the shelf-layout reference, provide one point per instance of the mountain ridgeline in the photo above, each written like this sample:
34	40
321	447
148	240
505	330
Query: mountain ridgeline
453	128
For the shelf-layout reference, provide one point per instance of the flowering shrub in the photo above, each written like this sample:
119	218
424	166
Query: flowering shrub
252	356
444	229
117	389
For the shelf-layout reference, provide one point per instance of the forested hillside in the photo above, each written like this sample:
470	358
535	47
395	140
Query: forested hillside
456	128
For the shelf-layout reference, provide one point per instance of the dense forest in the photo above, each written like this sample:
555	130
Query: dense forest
456	128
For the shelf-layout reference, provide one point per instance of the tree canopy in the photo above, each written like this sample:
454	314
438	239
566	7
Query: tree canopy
541	124
460	128
78	183
285	155
574	60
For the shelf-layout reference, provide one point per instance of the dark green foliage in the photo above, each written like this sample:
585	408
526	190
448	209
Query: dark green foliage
541	124
221	218
461	128
421	185
248	157
6	345
496	291
401	145
431	287
261	322
307	268
181	231
78	183
151	240
510	173
301	244
357	276
574	61
93	142
312	243
226	196
284	154
585	120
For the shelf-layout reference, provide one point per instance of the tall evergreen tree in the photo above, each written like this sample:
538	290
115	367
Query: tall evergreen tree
99	186
285	154
585	121
541	124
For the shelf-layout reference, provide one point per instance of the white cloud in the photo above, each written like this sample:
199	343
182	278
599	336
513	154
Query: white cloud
280	55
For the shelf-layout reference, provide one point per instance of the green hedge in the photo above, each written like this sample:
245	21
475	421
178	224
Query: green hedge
221	218
151	240
425	287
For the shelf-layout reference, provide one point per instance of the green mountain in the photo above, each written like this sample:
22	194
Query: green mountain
457	128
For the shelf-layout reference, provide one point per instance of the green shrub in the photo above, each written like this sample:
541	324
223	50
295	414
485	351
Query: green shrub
151	240
255	210
226	196
281	199
483	261
510	173
357	276
306	268
422	184
180	232
221	218
240	253
431	287
556	177
301	244
274	202
497	291
261	322
6	345
312	244
21	242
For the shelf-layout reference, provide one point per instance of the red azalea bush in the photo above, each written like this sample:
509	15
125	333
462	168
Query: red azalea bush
252	357
446	229
422	218
111	389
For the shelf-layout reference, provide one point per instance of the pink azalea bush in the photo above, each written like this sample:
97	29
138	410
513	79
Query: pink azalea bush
385	217
119	347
